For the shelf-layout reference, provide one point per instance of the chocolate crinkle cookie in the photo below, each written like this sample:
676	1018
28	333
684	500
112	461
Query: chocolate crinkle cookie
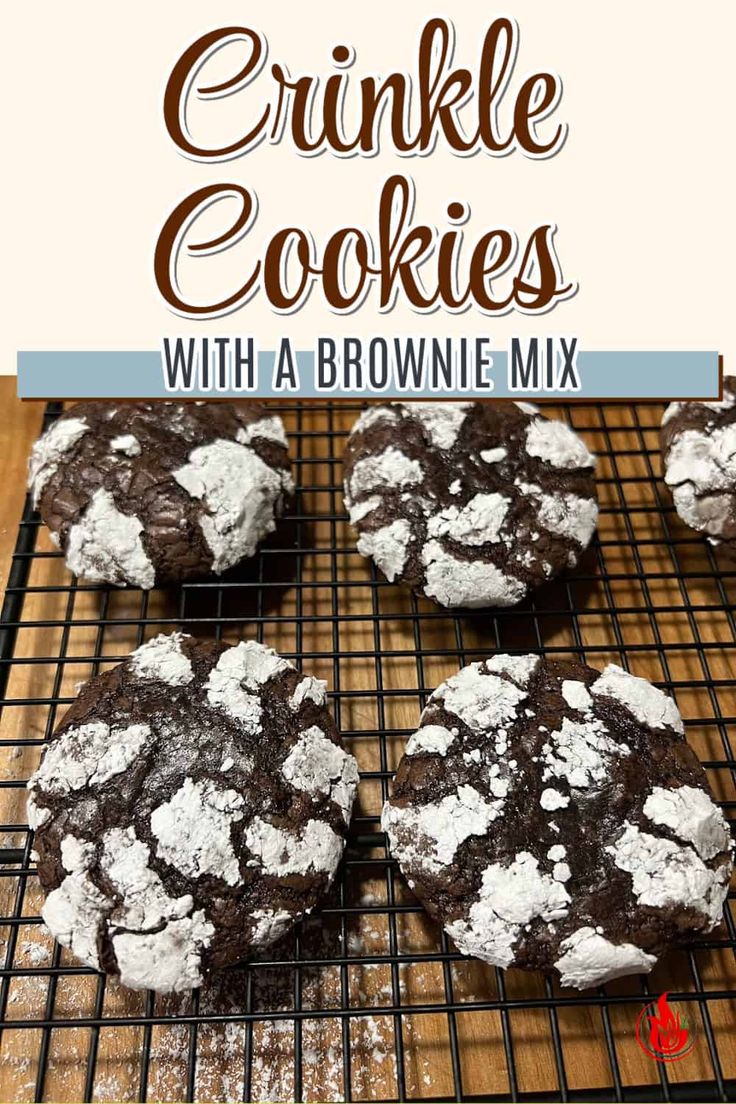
699	455
153	493
470	504
554	818
190	807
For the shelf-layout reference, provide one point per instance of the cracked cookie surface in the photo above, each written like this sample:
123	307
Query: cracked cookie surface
154	493
553	817
470	504
190	807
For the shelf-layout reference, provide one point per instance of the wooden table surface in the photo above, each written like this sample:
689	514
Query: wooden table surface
358	621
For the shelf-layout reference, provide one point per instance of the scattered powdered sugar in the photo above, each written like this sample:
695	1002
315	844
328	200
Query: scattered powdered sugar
576	695
557	444
644	701
320	767
390	468
440	421
432	738
665	874
552	799
309	689
88	755
282	853
480	521
518	668
467	583
387	547
193	830
493	456
241	494
163	659
127	444
580	751
692	816
430	836
272	428
105	545
481	701
48	451
510	897
590	959
528	408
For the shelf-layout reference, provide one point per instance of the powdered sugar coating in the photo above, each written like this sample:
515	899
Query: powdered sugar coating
88	756
242	496
127	444
431	738
270	925
557	444
238	673
470	499
467	583
106	545
510	897
214	835
551	799
194	830
309	689
519	668
429	837
590	959
48	450
576	695
271	428
441	421
581	752
318	766
478	522
648	704
157	940
387	547
664	874
481	701
163	659
282	853
692	816
390	467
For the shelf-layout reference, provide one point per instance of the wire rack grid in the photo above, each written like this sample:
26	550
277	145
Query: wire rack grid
368	1000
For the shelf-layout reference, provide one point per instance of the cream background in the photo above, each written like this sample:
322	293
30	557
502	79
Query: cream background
641	192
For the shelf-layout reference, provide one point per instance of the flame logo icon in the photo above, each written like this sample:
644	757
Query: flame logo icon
662	1033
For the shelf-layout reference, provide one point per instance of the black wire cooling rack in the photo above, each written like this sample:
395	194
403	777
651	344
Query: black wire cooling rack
368	1000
